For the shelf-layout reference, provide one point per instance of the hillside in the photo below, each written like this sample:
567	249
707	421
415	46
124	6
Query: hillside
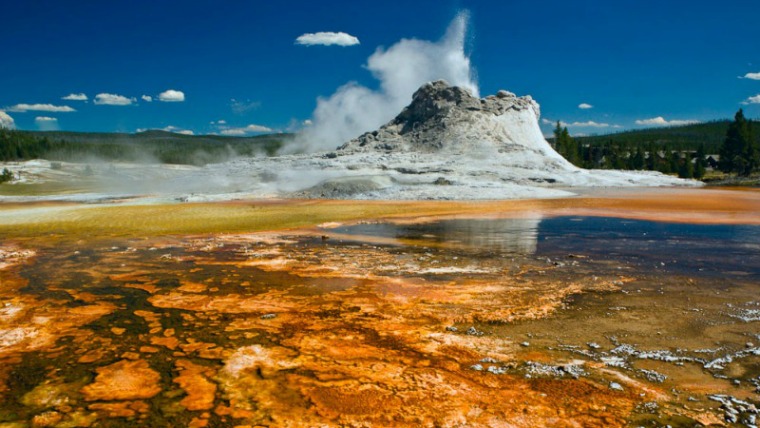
686	137
149	146
679	149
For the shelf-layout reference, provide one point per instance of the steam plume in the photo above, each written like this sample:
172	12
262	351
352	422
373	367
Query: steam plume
401	70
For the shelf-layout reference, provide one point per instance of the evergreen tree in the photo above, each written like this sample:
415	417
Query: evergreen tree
557	136
570	148
651	160
700	163
617	160
699	170
750	152
637	160
566	146
737	146
685	168
565	143
675	161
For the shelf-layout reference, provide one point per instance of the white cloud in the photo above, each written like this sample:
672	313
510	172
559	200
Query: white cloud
147	98
75	97
22	108
221	122
588	124
177	130
585	106
6	121
171	96
327	38
751	76
752	100
660	121
307	122
250	129
113	100
45	123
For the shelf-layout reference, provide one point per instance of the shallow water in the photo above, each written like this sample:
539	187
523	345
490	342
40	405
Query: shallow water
699	249
537	321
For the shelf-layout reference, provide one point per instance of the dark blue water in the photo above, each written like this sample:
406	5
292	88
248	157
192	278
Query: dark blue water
732	250
716	249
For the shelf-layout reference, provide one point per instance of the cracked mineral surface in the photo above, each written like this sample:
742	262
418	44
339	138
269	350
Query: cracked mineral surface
522	314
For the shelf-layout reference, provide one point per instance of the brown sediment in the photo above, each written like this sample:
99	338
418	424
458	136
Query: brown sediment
168	342
287	329
383	353
123	380
122	409
47	419
194	379
37	326
696	206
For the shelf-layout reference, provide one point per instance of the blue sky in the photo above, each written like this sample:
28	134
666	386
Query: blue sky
237	61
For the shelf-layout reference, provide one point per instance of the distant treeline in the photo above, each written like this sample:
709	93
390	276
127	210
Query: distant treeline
678	149
151	146
685	137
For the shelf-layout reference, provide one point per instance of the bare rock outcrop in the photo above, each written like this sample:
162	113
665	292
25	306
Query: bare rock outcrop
449	118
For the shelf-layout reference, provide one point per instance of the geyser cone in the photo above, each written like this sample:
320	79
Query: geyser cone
444	118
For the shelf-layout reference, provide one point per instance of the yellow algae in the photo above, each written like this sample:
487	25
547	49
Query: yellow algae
67	220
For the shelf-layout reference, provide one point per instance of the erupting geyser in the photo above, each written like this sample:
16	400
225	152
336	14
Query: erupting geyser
401	69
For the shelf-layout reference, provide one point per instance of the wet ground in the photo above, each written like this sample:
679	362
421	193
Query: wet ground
512	319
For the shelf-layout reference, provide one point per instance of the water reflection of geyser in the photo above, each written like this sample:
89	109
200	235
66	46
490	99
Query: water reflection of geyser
507	235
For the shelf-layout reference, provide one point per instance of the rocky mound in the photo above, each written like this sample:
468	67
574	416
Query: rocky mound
443	118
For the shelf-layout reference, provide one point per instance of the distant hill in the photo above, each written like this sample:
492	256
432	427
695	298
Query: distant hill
686	137
675	149
152	136
149	146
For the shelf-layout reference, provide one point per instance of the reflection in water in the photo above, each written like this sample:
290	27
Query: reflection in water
677	247
509	235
